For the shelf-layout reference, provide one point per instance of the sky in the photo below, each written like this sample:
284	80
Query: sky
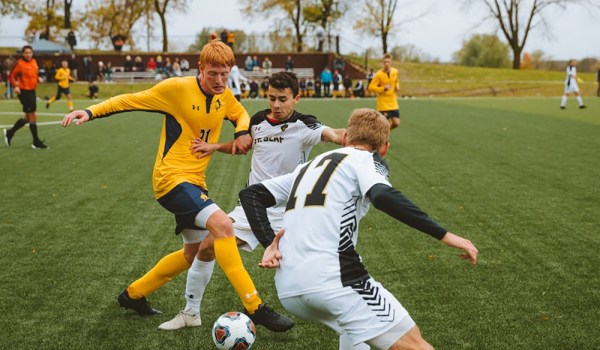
573	32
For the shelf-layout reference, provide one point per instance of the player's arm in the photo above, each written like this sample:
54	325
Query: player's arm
374	85
159	98
14	74
241	120
203	149
255	200
333	135
392	202
59	75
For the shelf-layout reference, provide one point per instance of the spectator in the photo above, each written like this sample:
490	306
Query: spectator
347	82
264	87
326	78
118	41
151	66
138	64
73	66
359	89
177	68
185	65
87	68
255	63
230	39
128	65
318	86
338	64
289	64
159	64
310	88
100	71
336	81
71	39
302	87
168	68
248	64
108	71
267	65
224	36
253	89
92	90
6	68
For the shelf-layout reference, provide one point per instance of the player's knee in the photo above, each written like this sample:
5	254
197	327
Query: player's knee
219	225
206	251
412	340
394	123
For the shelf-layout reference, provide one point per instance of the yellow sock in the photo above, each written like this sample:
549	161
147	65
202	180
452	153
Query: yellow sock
51	100
164	271
228	257
70	104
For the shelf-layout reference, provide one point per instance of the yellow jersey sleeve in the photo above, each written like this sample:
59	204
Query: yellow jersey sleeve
237	114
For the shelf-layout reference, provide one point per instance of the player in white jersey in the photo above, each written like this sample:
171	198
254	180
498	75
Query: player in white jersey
320	275
282	139
571	86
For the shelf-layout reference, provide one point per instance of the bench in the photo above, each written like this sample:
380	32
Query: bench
137	77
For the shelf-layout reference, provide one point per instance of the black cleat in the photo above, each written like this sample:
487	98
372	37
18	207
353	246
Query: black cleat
562	107
582	107
47	105
141	306
270	319
7	137
38	145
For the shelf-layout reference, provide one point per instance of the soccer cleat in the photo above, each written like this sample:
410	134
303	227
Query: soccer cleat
39	145
47	105
582	107
7	137
182	320
562	107
141	306
270	319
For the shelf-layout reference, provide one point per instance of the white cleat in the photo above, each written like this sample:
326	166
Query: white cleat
180	321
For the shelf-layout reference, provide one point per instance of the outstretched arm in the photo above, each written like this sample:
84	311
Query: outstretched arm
79	117
332	135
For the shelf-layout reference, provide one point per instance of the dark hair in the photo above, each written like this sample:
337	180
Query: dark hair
26	47
283	80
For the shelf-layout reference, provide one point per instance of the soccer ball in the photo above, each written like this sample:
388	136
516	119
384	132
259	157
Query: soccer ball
234	331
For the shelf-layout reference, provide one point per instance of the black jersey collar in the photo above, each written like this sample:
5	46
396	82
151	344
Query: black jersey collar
209	97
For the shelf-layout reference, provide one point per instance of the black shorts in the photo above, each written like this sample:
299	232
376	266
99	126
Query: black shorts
185	201
391	114
60	91
28	100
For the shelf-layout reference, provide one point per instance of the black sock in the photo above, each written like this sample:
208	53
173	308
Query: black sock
33	129
18	125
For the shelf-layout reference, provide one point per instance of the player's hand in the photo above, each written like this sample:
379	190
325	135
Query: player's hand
455	241
386	87
79	117
203	148
242	144
17	90
272	255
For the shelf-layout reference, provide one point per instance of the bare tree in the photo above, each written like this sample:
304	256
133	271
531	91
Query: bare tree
161	6
293	9
323	13
516	19
105	19
68	4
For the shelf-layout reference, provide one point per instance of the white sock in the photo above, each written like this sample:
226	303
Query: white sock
580	100
563	102
198	277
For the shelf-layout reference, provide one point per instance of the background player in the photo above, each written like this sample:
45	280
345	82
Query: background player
571	85
385	83
194	107
283	138
320	275
24	78
62	77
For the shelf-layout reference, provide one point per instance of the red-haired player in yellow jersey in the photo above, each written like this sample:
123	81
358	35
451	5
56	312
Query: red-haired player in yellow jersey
193	107
385	84
62	77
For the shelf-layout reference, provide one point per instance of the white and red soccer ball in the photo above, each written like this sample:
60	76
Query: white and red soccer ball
234	331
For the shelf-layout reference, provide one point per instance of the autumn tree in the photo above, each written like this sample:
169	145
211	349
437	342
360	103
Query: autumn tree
108	18
47	15
517	18
292	9
483	50
323	13
12	7
161	6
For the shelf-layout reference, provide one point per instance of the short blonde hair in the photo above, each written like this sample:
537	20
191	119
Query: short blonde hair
367	127
387	55
216	53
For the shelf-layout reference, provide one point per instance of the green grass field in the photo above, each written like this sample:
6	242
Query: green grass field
517	176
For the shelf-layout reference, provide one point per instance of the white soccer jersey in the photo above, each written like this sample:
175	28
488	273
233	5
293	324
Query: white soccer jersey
280	147
571	80
326	199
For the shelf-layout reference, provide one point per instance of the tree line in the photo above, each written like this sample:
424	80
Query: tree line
298	20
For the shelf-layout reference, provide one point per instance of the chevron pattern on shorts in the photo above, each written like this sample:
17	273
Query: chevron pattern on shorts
376	301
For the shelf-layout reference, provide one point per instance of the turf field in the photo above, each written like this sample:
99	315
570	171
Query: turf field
517	176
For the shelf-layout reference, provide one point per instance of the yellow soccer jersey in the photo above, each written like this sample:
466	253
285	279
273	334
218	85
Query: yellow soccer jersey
386	100
63	76
189	113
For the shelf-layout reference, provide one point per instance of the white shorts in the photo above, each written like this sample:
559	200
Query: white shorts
571	88
367	313
241	227
193	236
